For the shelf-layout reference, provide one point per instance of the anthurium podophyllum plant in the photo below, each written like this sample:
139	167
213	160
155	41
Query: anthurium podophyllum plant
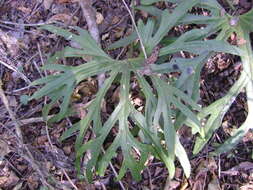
170	103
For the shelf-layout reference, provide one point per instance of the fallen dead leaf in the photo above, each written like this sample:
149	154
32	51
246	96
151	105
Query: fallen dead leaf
119	32
236	2
184	185
65	1
211	165
11	43
178	173
12	101
9	179
65	18
144	14
67	149
22	168
103	106
42	140
18	186
115	20
4	148
241	41
247	187
214	184
47	4
198	185
172	185
248	137
115	96
201	173
25	10
244	166
99	18
33	182
245	4
137	101
104	36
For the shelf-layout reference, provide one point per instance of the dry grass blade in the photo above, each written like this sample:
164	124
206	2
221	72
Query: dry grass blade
6	104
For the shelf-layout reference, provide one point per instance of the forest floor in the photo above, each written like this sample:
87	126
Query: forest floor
25	48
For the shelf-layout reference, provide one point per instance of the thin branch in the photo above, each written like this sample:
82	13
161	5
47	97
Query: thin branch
6	104
116	175
137	31
20	24
115	172
28	121
26	153
16	70
90	16
18	90
70	181
42	61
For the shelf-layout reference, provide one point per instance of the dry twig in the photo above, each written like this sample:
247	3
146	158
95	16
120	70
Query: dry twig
24	150
6	104
20	24
137	31
115	172
90	15
16	70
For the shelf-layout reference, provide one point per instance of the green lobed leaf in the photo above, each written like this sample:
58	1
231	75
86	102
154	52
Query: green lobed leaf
182	157
88	44
217	110
166	25
200	47
245	21
124	41
168	127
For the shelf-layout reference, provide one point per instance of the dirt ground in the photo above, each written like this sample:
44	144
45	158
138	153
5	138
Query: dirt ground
24	48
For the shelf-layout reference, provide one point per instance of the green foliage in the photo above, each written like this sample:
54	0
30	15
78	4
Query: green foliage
167	107
217	110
